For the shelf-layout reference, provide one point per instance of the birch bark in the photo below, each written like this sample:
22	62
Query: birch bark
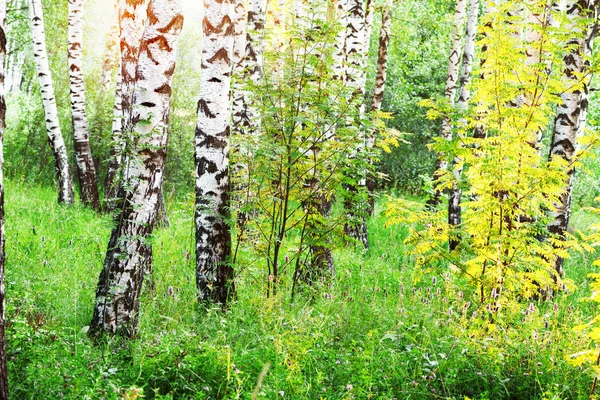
86	170
214	276
129	253
355	77
132	19
3	360
55	138
441	165
454	209
571	115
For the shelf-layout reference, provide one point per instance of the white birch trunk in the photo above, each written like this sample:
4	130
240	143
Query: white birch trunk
214	277
238	65
355	77
3	357
129	254
86	170
380	81
384	41
55	138
132	19
369	14
253	64
571	115
117	147
441	164
454	209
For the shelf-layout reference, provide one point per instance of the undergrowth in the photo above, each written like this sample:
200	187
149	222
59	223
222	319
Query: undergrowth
381	331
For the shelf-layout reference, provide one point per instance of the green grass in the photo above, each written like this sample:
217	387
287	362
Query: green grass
381	331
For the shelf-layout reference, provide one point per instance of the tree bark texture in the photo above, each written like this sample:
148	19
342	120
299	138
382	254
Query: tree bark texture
214	276
355	78
129	253
454	209
117	147
238	65
248	121
571	115
3	357
380	81
55	138
132	19
441	164
382	58
86	170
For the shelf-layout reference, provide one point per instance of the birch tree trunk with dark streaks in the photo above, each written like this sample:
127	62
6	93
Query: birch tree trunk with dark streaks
355	78
441	165
132	19
86	170
117	147
3	356
454	209
380	80
55	138
214	275
129	254
571	115
238	65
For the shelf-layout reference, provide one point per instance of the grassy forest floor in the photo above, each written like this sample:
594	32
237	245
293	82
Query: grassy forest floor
381	331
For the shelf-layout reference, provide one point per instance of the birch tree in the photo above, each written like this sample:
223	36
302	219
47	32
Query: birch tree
214	276
129	254
132	18
86	170
355	78
3	358
238	64
454	209
441	165
380	81
55	138
384	41
571	115
247	121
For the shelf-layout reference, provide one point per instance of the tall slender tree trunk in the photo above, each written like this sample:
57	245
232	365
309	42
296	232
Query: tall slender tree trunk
86	170
129	253
132	19
117	147
441	165
3	358
355	78
253	63
55	138
571	115
112	45
454	208
238	65
380	80
214	276
384	41
369	16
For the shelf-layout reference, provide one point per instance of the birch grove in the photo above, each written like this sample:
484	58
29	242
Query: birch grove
55	138
129	254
